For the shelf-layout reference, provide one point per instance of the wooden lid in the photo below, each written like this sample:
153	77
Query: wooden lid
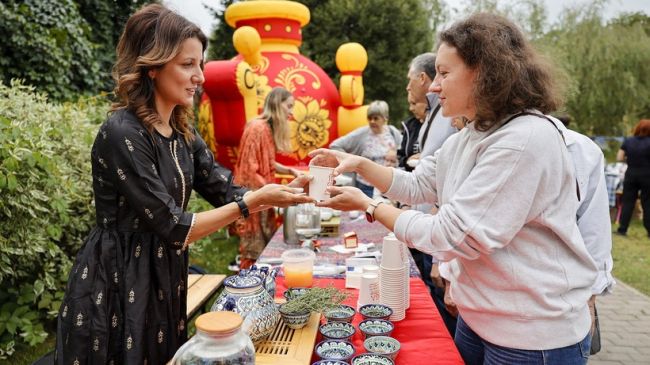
218	322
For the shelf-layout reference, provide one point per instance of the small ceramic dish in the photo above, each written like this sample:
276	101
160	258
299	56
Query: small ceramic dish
294	320
293	293
375	311
376	327
334	350
330	362
340	313
382	345
341	331
371	359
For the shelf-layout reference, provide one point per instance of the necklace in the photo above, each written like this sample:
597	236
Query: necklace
172	150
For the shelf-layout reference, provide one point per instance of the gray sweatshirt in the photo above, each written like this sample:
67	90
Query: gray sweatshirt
508	214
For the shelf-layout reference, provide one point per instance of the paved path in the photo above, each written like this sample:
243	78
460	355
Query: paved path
624	327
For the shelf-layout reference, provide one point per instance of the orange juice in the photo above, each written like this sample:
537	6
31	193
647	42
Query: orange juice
298	277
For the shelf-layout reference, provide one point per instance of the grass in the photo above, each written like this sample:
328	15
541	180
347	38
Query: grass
632	257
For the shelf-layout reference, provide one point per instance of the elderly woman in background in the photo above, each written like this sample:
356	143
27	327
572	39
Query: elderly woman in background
256	167
520	273
635	151
377	142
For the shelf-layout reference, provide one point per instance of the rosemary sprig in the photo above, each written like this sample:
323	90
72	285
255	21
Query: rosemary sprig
315	300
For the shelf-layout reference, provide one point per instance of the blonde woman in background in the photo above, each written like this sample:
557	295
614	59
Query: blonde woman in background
256	167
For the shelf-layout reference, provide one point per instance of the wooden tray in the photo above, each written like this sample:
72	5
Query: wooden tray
287	346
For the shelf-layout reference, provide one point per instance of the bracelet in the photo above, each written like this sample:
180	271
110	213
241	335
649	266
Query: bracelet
243	207
187	238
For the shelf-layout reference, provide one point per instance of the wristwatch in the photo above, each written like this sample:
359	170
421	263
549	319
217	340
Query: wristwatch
370	211
242	207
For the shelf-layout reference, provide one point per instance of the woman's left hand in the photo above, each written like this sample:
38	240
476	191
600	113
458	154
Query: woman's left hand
346	198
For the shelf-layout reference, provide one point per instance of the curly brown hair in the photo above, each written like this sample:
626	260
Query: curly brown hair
512	76
152	37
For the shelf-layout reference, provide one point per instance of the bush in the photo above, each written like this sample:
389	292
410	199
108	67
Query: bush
46	204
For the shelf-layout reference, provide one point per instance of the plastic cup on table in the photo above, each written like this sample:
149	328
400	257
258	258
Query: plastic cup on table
298	265
322	178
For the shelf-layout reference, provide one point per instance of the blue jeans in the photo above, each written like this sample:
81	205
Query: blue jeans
476	351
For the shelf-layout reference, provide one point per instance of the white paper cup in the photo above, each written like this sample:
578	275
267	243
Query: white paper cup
321	179
369	290
392	253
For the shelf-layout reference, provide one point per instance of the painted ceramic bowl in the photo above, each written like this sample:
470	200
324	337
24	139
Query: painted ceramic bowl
375	311
294	320
340	313
341	331
330	362
294	293
371	359
382	345
376	327
334	350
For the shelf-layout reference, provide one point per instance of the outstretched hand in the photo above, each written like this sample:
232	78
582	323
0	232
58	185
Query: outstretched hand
280	195
340	161
346	198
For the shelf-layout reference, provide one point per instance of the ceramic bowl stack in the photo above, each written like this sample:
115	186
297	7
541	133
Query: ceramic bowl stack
394	277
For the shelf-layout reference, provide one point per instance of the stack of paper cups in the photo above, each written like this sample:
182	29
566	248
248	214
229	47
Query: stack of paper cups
394	279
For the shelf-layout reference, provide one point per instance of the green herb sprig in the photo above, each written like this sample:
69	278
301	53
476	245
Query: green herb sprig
315	300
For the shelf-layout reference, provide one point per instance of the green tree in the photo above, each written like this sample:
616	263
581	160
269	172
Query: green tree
62	47
607	67
393	32
46	43
220	43
106	19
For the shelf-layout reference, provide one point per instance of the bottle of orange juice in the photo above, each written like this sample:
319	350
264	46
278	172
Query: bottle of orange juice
298	267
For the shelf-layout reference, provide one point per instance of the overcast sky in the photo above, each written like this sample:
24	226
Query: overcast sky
196	12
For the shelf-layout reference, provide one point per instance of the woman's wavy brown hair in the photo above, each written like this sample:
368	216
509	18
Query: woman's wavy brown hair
511	75
151	38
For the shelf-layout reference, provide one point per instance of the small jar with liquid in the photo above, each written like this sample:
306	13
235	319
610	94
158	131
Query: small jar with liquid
219	340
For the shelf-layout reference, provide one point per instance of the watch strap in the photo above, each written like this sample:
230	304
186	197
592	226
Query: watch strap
370	211
243	207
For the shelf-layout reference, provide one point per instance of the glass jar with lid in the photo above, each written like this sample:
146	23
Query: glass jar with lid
219	340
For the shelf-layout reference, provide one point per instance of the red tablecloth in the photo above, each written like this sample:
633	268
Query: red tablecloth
422	334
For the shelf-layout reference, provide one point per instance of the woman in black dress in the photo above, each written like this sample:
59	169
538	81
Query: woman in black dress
636	185
125	300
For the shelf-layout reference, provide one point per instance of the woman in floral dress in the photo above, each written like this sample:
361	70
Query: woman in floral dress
125	301
256	166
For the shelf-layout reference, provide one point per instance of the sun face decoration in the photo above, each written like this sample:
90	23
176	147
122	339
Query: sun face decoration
309	128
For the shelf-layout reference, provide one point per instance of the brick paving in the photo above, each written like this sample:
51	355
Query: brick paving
624	327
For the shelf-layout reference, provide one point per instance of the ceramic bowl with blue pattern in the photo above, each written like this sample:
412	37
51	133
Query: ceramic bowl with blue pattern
330	362
376	327
340	313
337	331
334	350
293	293
375	311
382	345
294	320
371	359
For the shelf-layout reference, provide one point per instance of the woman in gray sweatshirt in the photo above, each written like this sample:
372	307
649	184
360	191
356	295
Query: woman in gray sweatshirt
507	196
